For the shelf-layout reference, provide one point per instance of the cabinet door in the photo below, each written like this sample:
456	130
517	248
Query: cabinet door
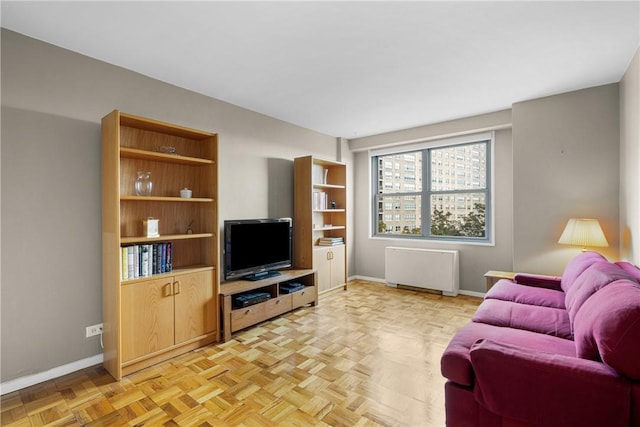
194	305
147	317
322	265
338	266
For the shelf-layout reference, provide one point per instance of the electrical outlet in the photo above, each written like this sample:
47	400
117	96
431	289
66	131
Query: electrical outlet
94	330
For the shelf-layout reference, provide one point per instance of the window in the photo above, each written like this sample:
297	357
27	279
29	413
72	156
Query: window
443	209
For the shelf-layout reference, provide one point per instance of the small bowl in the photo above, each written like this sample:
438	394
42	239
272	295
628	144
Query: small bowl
185	193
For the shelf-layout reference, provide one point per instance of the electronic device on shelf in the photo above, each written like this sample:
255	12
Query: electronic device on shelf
249	298
255	249
290	287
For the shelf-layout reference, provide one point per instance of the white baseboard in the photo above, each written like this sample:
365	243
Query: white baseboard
471	293
369	279
58	371
461	292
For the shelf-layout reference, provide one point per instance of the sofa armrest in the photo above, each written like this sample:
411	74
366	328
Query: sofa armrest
548	389
538	280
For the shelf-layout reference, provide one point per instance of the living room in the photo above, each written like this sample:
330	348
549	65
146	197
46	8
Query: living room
52	103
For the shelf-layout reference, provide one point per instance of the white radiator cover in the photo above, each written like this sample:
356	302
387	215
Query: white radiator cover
422	268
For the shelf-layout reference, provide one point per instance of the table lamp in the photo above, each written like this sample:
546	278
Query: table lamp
583	232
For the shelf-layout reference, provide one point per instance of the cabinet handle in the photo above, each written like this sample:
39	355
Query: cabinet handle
278	301
248	311
176	287
166	290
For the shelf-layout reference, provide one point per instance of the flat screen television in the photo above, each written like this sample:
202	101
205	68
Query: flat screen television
256	248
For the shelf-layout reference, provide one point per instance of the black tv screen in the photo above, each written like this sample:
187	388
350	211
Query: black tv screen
256	248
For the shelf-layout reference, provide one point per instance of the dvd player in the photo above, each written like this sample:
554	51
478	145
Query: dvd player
290	287
247	299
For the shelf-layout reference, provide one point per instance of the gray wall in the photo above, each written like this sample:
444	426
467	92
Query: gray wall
475	260
52	104
629	162
565	163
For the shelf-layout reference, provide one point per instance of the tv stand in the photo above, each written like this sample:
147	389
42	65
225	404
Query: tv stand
263	275
240	318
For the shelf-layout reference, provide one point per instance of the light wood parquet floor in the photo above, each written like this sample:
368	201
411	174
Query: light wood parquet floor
368	356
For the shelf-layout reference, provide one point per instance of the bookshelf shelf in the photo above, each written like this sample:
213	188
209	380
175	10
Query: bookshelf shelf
133	153
329	186
175	272
161	238
333	227
149	317
167	199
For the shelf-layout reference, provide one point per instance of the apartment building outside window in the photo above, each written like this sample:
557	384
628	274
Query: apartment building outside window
443	190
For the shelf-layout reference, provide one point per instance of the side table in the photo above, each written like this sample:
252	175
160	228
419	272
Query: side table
492	276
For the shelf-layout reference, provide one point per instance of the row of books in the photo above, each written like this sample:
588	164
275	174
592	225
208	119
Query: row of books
146	260
320	200
330	241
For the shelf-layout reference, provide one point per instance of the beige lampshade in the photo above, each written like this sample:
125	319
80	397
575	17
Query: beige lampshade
583	232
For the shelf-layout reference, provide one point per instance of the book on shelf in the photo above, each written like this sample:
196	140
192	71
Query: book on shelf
330	241
146	260
320	200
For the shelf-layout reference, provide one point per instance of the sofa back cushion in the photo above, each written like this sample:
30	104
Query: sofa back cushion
630	268
595	277
607	327
577	266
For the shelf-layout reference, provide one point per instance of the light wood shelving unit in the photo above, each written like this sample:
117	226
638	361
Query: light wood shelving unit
151	319
313	220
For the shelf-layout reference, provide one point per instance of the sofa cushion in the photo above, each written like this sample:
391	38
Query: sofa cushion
577	266
607	327
543	320
630	268
538	280
455	363
507	290
598	275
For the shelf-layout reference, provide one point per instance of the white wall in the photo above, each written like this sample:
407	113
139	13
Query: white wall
629	161
475	260
52	104
565	161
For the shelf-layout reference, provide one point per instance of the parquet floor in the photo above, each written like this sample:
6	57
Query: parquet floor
369	356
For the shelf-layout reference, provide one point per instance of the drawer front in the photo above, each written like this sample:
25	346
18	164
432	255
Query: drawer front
277	306
243	317
304	296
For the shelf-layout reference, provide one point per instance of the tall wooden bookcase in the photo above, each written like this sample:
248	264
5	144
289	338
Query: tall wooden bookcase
320	210
153	318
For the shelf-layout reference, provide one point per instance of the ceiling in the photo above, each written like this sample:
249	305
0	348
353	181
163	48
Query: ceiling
351	69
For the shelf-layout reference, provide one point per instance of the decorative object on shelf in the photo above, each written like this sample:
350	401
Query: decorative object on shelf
143	184
185	193
333	204
150	226
189	229
167	149
583	232
324	177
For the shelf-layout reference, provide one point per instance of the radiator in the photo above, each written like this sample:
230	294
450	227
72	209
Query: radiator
422	268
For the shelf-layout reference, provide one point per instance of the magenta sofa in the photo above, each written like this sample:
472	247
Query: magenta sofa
550	351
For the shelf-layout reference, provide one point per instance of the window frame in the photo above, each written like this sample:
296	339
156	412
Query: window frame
427	147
